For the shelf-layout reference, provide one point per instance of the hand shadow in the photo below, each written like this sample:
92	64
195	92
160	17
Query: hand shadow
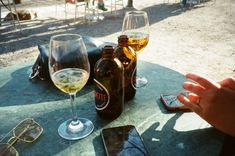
169	141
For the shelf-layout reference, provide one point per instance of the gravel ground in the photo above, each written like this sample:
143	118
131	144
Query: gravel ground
199	39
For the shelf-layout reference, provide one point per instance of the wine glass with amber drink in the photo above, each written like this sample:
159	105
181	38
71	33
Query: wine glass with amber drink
136	27
69	70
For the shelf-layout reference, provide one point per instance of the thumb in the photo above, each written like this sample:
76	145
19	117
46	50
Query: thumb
228	83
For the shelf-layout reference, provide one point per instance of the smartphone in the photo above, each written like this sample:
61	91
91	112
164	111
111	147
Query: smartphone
171	102
123	141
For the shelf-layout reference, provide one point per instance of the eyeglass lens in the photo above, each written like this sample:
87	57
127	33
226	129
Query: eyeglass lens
28	131
8	150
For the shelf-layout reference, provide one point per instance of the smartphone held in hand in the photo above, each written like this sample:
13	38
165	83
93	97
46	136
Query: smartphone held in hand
123	141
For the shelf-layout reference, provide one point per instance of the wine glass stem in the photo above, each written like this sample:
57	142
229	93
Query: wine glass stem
140	80
74	112
137	65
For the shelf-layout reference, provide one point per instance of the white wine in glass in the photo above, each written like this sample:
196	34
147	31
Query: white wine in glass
69	70
70	80
136	27
138	41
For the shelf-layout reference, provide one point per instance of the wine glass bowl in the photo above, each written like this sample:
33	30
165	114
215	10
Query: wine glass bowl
138	41
69	70
136	27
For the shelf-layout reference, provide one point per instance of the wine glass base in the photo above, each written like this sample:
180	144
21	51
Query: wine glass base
86	129
141	82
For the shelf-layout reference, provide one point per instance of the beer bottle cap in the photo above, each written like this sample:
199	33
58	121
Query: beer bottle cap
108	51
122	38
108	48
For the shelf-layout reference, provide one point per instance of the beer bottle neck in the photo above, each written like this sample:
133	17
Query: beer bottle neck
108	54
122	44
123	41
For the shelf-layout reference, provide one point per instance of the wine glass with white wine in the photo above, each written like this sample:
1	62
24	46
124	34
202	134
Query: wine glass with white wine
69	70
136	27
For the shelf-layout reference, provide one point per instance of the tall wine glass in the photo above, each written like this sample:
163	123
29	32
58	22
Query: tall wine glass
69	70
136	27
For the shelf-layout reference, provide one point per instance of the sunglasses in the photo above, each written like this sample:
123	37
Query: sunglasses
27	130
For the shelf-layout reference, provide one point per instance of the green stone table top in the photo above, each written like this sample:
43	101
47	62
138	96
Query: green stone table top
163	132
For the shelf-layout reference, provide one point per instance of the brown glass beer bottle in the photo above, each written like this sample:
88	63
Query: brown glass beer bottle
128	58
109	85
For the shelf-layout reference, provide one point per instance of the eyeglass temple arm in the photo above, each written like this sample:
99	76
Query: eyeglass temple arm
6	135
15	138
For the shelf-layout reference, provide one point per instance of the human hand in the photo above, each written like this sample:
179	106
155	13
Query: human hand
214	102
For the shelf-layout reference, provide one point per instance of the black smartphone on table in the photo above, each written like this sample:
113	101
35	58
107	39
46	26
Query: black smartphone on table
123	141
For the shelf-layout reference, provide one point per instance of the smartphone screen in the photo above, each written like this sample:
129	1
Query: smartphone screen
123	141
171	102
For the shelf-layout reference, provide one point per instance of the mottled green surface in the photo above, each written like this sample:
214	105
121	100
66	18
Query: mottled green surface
163	132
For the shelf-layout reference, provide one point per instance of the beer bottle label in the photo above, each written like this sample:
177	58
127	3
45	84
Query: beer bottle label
133	79
102	96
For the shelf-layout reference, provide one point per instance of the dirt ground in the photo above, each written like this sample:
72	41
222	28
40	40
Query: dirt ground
198	39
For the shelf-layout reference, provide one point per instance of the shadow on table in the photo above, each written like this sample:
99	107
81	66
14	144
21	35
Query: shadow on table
50	143
16	89
45	28
169	141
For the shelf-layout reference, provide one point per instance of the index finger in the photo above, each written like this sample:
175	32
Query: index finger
190	104
203	81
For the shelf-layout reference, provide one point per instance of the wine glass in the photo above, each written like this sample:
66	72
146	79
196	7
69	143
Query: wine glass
69	70
136	27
